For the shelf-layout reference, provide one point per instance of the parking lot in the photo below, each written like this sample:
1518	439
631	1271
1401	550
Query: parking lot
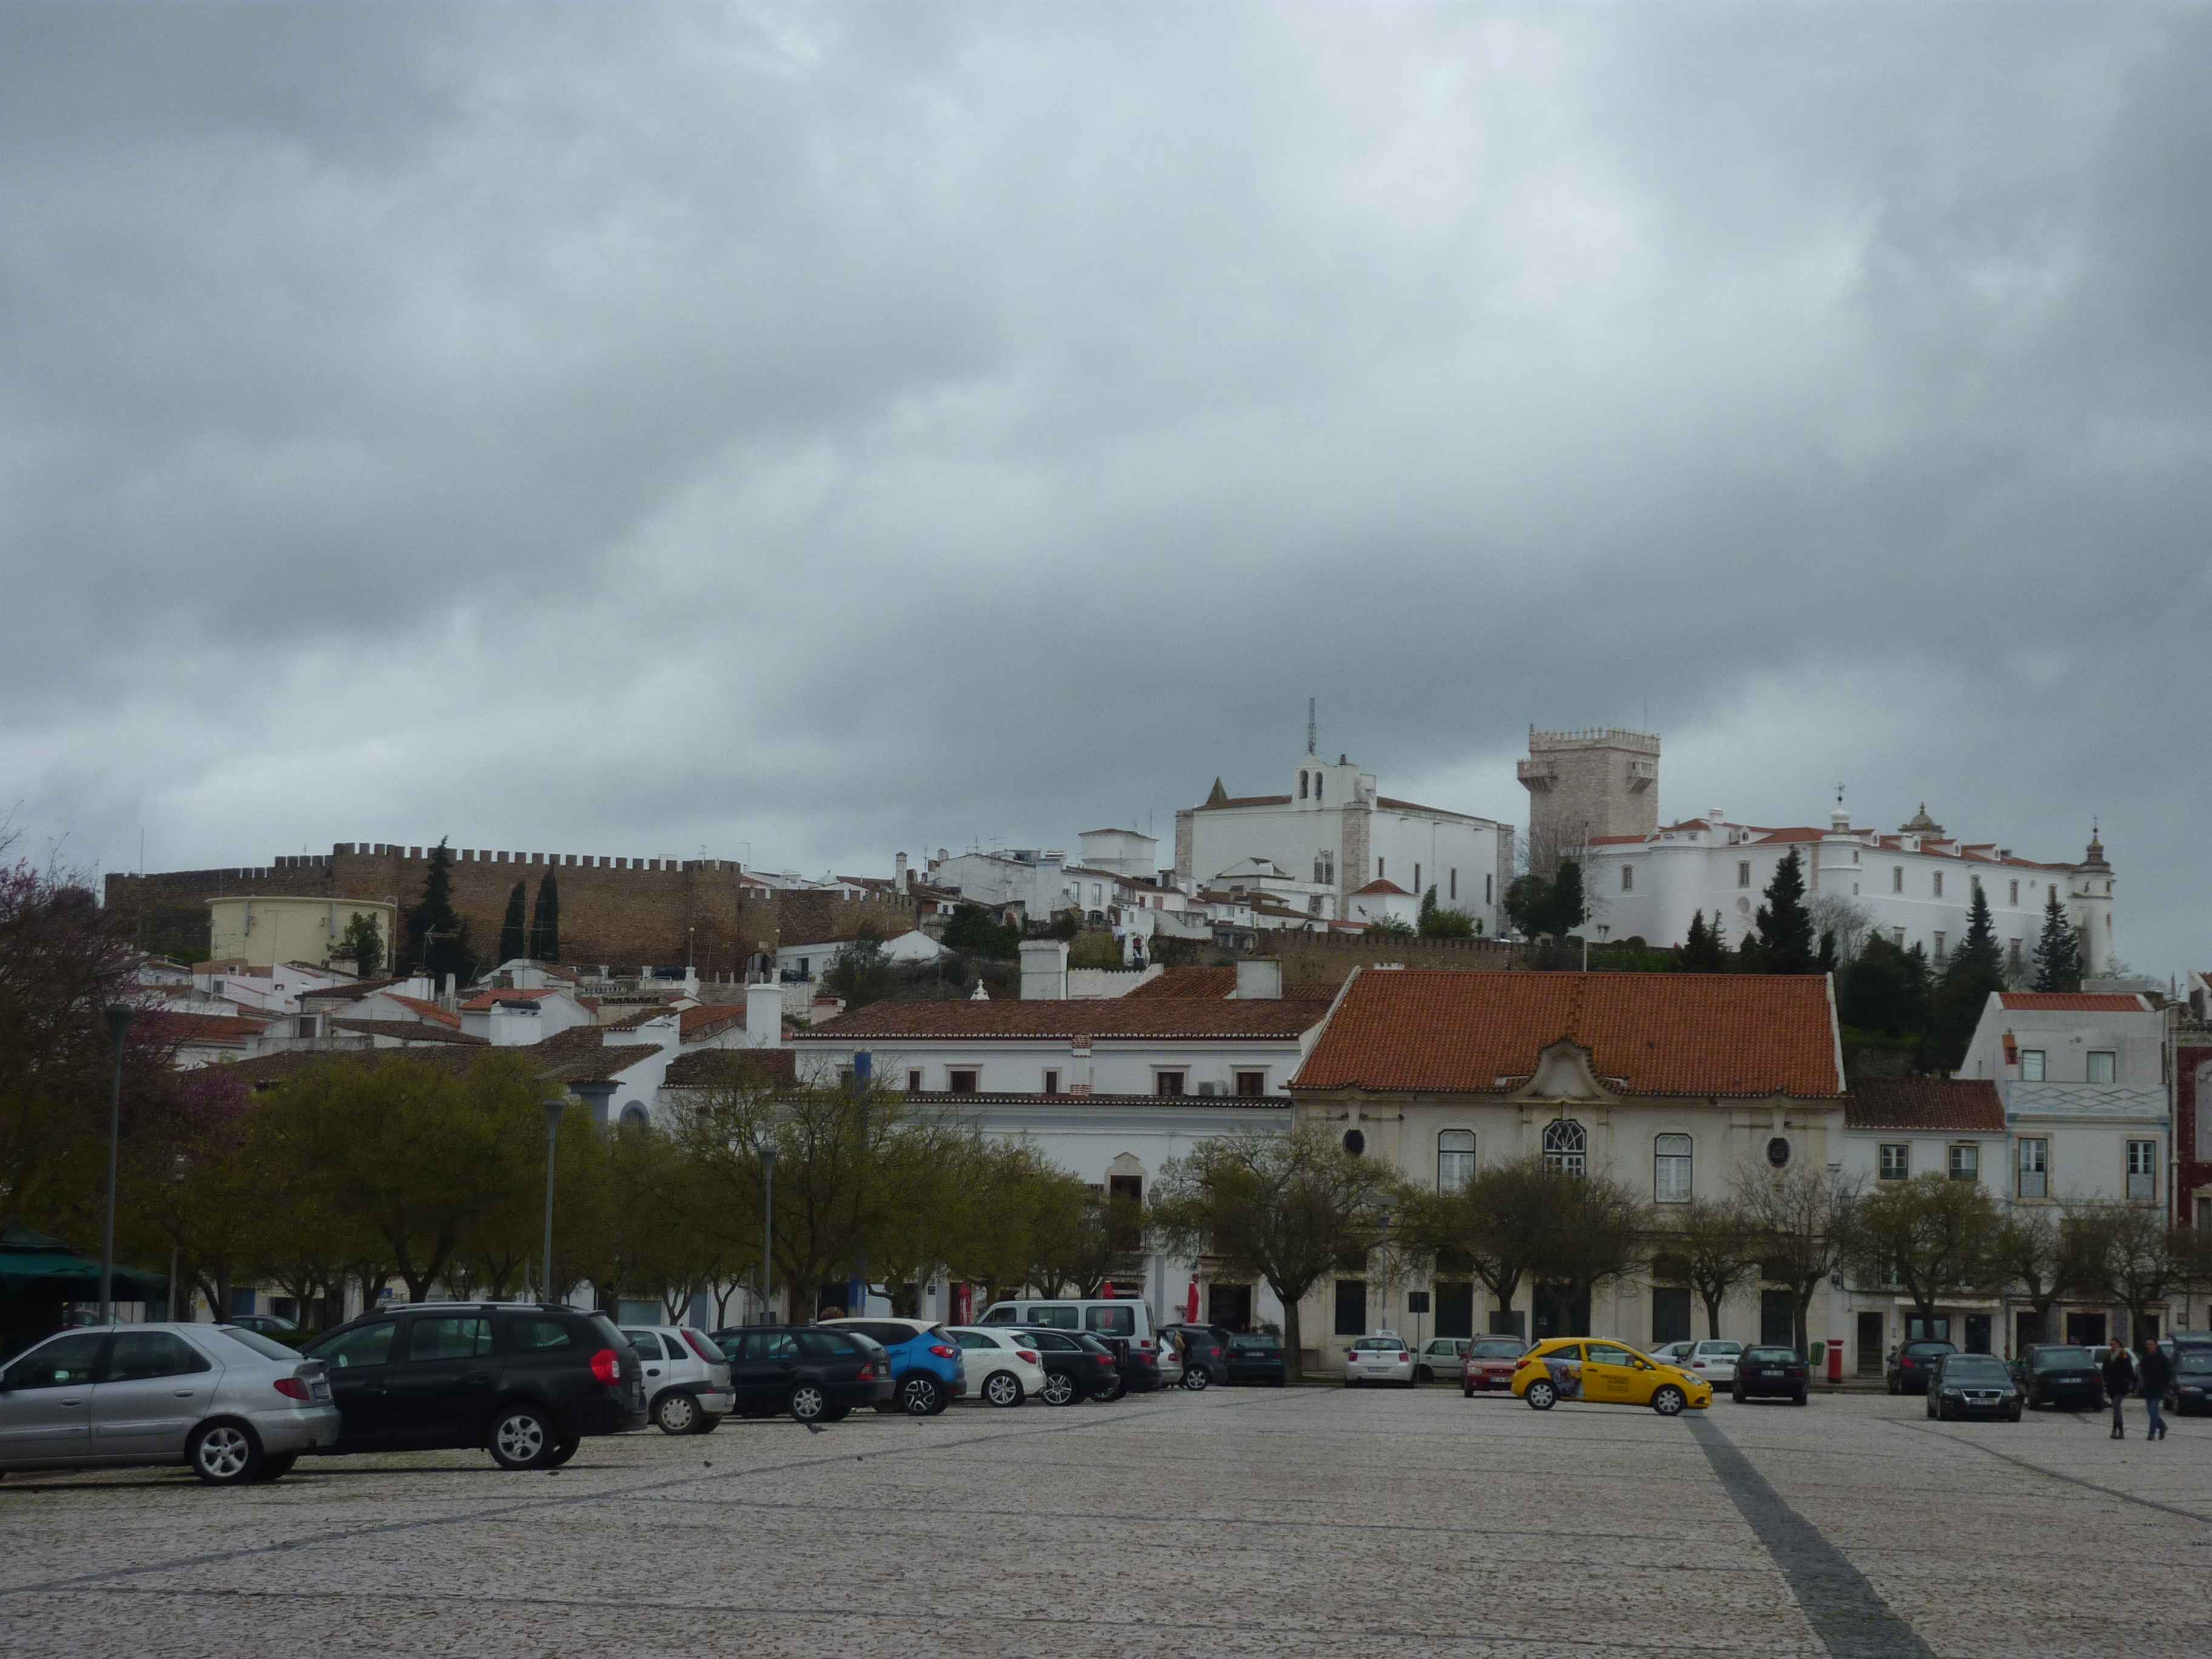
1289	1522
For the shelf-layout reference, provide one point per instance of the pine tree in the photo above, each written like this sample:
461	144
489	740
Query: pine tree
1565	909
511	939
1703	951
361	942
1784	926
545	921
1974	971
437	938
2058	952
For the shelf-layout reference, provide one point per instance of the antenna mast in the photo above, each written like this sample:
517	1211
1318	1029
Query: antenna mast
1313	733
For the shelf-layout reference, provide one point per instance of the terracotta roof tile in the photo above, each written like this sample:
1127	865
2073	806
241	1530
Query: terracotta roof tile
1457	1031
1383	885
2074	1002
1137	1103
709	1017
709	1069
427	1010
1108	1017
1176	982
1952	1105
477	1004
410	1030
352	992
164	1027
1245	800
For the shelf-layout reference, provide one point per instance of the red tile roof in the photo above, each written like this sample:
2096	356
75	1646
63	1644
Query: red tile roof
476	1005
408	1030
430	1011
1174	982
1109	1018
1383	884
1949	1105
1457	1031
1245	800
2076	1002
708	1018
164	1027
709	1069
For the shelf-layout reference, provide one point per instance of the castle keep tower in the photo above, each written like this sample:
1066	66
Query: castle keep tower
1582	784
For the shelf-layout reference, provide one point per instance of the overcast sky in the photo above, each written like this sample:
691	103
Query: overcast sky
810	433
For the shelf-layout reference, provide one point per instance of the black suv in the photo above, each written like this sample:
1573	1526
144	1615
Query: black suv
2060	1373
526	1381
1204	1354
817	1373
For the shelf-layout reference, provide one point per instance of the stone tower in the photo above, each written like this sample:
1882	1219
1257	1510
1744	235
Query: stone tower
1582	784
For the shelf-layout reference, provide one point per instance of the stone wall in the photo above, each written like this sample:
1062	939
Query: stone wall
1316	966
620	910
1598	782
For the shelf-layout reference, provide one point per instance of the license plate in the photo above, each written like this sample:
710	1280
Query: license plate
1770	1372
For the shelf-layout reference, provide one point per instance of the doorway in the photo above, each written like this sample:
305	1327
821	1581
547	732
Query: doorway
1870	1346
2085	1330
2027	1327
1229	1306
1560	1313
1978	1333
1456	1309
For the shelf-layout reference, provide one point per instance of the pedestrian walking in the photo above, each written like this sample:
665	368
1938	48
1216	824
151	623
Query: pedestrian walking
2119	1373
2155	1372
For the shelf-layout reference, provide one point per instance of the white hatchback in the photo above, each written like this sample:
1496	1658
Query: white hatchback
687	1378
1714	1361
995	1364
1382	1357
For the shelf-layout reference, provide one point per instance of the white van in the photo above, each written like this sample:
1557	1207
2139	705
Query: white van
1130	1320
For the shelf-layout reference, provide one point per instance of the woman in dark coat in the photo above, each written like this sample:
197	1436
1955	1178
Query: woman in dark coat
2120	1376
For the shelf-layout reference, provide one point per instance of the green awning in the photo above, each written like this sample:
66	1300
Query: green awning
31	1262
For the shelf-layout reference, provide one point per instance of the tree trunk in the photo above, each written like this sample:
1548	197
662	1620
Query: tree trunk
1803	1303
1293	1338
1712	1315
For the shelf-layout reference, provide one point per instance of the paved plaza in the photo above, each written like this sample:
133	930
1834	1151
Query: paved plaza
1297	1521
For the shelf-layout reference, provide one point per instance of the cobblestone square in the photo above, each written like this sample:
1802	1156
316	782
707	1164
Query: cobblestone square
1297	1521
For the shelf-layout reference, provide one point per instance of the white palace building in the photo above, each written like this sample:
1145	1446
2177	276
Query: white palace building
1914	883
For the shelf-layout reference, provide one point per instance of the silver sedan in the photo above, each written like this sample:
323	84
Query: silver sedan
229	1404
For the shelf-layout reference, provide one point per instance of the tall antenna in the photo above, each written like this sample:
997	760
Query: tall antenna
1313	732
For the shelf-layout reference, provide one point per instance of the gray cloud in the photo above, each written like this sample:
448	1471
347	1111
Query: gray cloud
833	430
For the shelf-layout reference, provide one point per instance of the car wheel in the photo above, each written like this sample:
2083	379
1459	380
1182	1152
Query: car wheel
1668	1401
1942	1409
2011	1416
709	1422
562	1452
1541	1396
1421	1375
1002	1388
521	1438
807	1402
677	1412
1928	1410
919	1396
1112	1392
1059	1388
1895	1386
1466	1393
224	1453
276	1468
1197	1380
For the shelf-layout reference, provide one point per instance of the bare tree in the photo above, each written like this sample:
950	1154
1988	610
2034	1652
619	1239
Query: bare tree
1802	1219
1713	1248
1840	917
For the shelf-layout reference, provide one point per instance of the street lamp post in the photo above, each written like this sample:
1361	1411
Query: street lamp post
767	1233
1388	1320
118	1023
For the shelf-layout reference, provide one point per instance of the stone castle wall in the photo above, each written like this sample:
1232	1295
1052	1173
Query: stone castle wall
1603	781
1316	966
622	911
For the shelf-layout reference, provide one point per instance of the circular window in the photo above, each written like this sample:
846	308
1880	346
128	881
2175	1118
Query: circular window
1354	1142
1778	1152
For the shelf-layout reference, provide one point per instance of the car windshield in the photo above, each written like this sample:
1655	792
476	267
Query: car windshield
2195	1361
1720	1347
267	1347
2062	1359
1974	1368
1772	1355
1507	1348
1930	1347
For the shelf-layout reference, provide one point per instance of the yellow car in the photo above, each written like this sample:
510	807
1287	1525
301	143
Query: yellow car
1606	1374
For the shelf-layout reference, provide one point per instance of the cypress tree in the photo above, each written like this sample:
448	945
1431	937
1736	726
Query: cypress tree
511	940
2058	952
1703	951
1564	906
1975	970
545	921
437	938
1783	925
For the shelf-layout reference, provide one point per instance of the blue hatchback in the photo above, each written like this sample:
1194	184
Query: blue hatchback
925	1374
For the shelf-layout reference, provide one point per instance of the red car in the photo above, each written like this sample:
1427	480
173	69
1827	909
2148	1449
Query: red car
1489	1364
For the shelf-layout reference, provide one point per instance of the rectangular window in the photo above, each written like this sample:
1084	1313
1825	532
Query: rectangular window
2015	899
914	1083
1777	1319
1896	1160
1487	888
1167	1083
2012	953
1965	1161
2031	1066
1052	1083
1351	1307
1455	1159
2142	1170
1939	883
1418	888
1129	1189
1456	1309
961	1082
1897	937
1455	883
1382	869
1670	1179
2035	1169
1670	1314
1939	951
1251	1085
2102	1064
1743	872
1627	878
1897	879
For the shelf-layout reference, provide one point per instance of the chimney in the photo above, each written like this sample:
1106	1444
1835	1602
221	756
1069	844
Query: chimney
1044	970
447	999
764	1016
1260	979
596	1098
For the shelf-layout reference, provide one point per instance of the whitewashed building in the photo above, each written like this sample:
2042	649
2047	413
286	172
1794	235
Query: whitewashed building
1914	883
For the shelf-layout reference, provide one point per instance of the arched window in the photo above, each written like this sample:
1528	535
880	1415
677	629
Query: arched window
1302	785
1317	783
1566	1149
1455	1159
1670	1169
634	1116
